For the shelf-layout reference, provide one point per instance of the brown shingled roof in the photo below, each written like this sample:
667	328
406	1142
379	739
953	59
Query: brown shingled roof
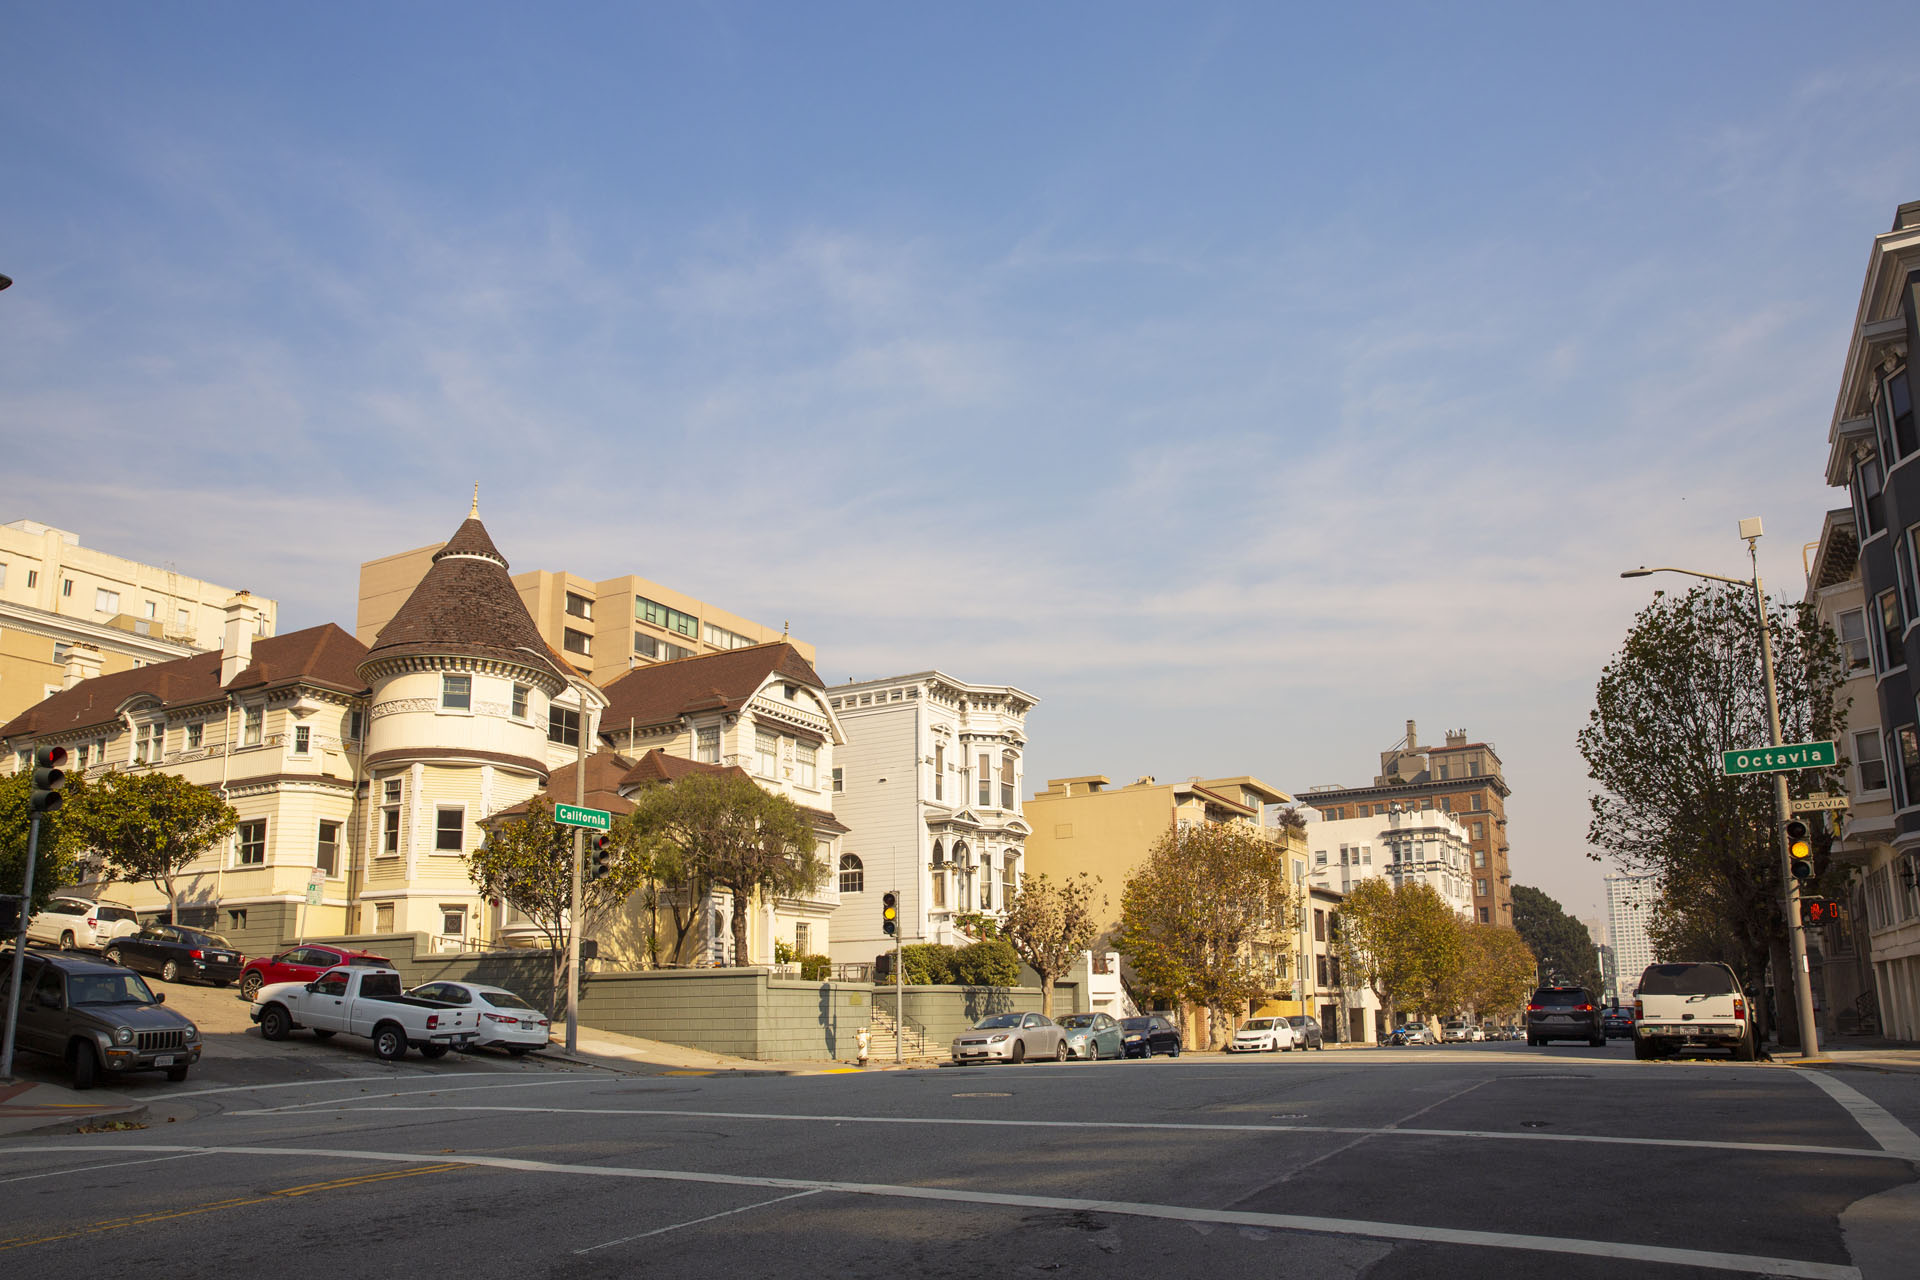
606	770
658	766
725	681
325	656
465	606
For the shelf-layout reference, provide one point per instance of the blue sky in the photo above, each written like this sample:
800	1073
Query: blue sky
1241	381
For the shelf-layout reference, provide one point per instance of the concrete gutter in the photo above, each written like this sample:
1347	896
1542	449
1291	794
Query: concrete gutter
28	1107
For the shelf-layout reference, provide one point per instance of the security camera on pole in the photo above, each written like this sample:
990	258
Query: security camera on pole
49	776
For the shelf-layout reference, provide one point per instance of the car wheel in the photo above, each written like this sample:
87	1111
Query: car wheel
170	972
250	985
86	1064
1174	1052
1744	1051
390	1041
113	955
1642	1049
1060	1051
274	1023
66	939
321	1033
433	1051
176	1074
1596	1042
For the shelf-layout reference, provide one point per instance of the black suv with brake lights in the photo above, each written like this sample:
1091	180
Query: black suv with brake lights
1564	1013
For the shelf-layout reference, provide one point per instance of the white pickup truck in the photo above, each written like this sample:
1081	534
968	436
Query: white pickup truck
1694	1004
363	1002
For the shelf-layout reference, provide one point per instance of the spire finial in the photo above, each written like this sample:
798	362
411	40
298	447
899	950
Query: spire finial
785	628
475	513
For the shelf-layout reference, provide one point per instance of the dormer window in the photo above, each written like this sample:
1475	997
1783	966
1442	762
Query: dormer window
149	743
456	693
706	744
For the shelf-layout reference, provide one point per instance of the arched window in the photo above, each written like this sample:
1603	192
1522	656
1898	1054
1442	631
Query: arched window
939	854
853	876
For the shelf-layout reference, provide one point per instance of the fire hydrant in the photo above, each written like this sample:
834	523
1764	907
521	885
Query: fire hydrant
862	1038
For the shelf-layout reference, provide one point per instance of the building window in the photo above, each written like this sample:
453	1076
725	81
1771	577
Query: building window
1908	741
520	694
1320	970
1479	887
196	735
656	614
1319	925
1479	831
356	725
453	922
1473	769
181	621
1483	916
253	721
985	780
670	651
326	855
1479	857
940	773
706	744
148	742
456	693
805	758
1892	653
1853	639
1869	504
383	917
1868	761
577	642
1006	784
252	842
802	939
449	831
853	878
563	725
302	740
1903	574
1895	411
645	645
766	753
104	601
839	780
721	638
1009	879
390	817
940	890
986	882
578	606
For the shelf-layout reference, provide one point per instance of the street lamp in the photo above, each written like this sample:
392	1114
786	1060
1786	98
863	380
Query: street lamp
1796	934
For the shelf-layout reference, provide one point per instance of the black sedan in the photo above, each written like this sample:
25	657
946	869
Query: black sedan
178	954
1143	1037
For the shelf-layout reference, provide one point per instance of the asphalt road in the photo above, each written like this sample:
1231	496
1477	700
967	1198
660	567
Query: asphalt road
1483	1160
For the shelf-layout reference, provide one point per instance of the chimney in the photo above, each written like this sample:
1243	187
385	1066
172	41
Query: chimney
1413	736
81	663
236	641
1456	737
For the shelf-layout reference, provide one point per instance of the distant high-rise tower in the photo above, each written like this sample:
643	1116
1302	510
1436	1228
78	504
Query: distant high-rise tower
1630	901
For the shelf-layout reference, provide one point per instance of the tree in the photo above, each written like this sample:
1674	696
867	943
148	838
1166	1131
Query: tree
56	861
1685	687
1564	948
527	862
1405	943
1497	971
730	833
991	962
1205	916
1049	925
148	826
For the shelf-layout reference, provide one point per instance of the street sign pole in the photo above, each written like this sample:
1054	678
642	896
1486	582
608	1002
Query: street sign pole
1796	932
579	851
19	951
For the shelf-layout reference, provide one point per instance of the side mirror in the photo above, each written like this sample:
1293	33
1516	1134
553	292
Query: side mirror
312	985
49	1000
159	997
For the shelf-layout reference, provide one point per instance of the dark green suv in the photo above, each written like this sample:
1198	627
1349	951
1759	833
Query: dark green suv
99	1019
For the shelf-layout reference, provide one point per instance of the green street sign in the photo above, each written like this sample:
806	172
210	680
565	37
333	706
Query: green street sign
572	815
1792	755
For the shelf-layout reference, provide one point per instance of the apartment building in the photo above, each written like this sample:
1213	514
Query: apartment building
929	784
1631	900
1406	846
1461	778
604	628
69	613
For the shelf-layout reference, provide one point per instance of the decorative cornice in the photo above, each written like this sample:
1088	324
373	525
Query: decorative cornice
382	666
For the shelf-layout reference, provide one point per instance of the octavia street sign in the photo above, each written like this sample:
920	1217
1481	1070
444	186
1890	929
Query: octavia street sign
1817	804
572	815
1792	755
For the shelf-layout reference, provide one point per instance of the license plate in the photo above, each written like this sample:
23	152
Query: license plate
164	1060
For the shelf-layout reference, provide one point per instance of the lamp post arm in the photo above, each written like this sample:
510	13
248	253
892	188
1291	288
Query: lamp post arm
1643	571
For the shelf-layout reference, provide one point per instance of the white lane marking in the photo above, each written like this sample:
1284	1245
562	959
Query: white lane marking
400	1093
694	1222
1604	1139
171	1095
1324	1156
1879	1123
89	1168
1750	1263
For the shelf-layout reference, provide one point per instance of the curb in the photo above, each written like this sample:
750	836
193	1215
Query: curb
75	1123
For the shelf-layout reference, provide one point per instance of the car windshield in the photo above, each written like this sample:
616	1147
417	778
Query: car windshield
1077	1021
1686	980
372	962
194	938
1137	1024
506	1000
1562	995
1296	1021
997	1020
108	988
1257	1024
115	913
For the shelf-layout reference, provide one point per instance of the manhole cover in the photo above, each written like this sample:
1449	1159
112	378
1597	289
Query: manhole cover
1533	1124
983	1095
1289	1115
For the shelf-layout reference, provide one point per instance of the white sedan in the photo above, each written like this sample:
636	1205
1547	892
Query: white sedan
505	1020
1011	1037
1262	1035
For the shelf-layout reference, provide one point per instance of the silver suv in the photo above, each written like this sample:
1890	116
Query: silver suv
71	921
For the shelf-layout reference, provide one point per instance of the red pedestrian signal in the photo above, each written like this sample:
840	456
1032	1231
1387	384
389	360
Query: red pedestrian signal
1820	911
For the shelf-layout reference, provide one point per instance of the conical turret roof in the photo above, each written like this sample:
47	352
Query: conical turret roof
465	606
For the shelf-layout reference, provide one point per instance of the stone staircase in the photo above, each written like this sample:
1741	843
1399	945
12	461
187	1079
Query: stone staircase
882	1032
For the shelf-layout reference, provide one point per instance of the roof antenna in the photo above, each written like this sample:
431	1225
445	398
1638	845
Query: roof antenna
475	513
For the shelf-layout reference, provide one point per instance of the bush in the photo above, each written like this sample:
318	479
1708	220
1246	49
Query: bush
992	963
815	968
927	964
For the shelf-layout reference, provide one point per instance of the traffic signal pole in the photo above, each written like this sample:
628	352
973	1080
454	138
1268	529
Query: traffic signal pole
1796	932
899	996
20	950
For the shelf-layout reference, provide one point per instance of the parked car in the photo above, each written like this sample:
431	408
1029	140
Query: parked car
505	1020
1564	1013
1412	1033
1695	1004
301	964
178	954
1262	1035
1306	1031
1461	1031
72	922
97	1018
1145	1036
1092	1036
1616	1023
363	1001
1011	1037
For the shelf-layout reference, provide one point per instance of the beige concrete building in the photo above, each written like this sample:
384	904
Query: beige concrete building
69	613
605	629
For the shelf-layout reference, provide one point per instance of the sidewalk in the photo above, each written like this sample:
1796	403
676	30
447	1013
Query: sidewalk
1893	1057
616	1052
29	1107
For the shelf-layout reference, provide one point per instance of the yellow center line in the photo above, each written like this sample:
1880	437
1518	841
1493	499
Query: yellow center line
147	1219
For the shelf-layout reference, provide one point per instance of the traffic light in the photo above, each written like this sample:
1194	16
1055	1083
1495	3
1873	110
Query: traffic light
1819	911
890	913
1801	848
49	775
602	856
